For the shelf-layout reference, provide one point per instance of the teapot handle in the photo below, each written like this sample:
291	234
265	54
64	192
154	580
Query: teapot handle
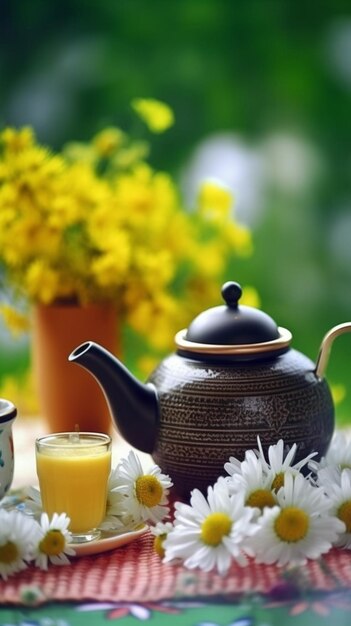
324	352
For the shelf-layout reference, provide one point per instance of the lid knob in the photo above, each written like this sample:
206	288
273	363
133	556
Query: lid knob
231	323
231	294
232	330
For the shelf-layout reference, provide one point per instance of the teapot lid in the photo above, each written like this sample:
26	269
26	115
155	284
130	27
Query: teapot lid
233	329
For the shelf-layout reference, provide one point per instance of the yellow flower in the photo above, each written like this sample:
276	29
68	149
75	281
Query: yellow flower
239	238
147	201
215	200
41	281
250	297
156	114
80	152
210	259
16	322
109	269
102	225
108	141
153	316
152	263
22	391
130	156
16	140
338	393
146	364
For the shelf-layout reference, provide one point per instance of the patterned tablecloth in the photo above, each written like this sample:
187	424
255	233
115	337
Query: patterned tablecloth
130	584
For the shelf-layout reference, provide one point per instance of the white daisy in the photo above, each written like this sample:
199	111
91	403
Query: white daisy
17	537
210	532
327	474
301	527
52	541
160	532
146	494
113	480
253	483
339	452
234	466
117	517
338	489
280	460
33	504
337	456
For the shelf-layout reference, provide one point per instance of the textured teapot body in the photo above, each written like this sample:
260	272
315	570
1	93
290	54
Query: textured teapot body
211	411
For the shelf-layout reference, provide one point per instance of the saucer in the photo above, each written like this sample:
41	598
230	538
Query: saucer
109	540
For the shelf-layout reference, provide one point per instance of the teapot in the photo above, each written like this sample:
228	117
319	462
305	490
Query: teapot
8	413
232	377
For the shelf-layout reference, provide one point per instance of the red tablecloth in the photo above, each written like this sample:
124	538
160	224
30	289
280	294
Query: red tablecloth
136	573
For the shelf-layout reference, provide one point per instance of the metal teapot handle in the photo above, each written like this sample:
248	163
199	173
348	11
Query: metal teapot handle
324	352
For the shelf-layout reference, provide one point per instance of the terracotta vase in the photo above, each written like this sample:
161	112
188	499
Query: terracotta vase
68	397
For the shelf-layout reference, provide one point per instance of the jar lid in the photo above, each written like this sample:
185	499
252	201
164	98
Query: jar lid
232	329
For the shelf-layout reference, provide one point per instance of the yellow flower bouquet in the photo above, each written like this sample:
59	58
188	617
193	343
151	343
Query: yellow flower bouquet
96	223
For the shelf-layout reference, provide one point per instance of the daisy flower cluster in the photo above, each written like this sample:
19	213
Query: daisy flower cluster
266	509
135	497
24	540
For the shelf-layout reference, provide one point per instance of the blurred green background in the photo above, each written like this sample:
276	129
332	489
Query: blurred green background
261	94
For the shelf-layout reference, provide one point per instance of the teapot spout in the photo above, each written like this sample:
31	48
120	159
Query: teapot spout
324	352
133	405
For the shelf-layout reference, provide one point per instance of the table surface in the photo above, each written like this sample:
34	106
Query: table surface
131	584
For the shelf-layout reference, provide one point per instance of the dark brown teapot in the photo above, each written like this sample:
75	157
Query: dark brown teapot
233	376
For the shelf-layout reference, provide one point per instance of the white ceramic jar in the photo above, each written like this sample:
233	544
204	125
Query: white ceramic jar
8	413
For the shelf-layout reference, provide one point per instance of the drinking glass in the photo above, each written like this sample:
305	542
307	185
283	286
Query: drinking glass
73	471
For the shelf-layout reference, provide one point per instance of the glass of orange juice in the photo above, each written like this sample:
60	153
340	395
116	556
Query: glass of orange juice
73	471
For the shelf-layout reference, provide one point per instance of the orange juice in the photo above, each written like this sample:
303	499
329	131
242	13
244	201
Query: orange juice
73	477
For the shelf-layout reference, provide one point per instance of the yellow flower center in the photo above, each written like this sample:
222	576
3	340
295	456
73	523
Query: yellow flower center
8	552
344	513
291	524
278	481
148	490
158	544
215	527
53	543
261	498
